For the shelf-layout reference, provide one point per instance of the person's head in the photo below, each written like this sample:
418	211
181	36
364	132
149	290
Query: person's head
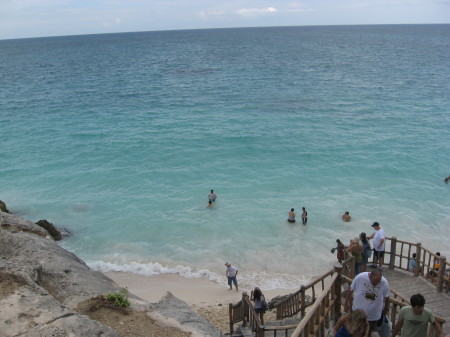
375	277
376	225
414	255
212	191
363	236
417	303
228	264
438	254
347	213
292	209
303	208
358	320
257	292
357	241
338	241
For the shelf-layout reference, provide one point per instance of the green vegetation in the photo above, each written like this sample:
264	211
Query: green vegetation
120	299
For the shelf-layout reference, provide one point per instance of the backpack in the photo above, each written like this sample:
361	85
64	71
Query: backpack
367	251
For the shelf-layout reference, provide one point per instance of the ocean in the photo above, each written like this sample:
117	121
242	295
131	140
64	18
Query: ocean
119	138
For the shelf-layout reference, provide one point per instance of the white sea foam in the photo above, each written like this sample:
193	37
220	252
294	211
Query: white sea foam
263	280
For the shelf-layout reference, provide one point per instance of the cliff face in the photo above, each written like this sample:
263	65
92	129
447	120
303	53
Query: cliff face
41	285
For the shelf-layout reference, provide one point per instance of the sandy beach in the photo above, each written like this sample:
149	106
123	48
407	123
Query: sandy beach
206	297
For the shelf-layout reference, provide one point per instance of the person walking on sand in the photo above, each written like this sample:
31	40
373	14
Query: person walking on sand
231	274
291	217
379	239
212	196
346	217
413	319
258	299
304	216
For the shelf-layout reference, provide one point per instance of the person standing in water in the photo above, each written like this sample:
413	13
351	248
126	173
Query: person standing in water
212	196
291	217
304	216
346	217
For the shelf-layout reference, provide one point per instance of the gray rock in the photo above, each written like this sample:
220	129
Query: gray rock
172	307
3	207
41	284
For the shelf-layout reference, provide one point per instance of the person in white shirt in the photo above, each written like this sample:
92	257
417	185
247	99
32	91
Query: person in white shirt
371	293
379	240
231	274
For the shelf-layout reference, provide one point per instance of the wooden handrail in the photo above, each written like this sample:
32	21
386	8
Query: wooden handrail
311	315
327	304
400	254
296	302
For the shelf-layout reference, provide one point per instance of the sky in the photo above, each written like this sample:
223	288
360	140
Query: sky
37	18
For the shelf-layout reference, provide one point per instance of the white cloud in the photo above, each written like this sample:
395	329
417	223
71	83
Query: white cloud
205	14
256	11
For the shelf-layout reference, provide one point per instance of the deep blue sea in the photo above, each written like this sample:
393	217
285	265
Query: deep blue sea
118	138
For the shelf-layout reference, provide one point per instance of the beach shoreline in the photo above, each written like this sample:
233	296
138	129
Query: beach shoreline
208	298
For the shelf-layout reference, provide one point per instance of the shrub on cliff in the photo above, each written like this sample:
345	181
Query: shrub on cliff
52	230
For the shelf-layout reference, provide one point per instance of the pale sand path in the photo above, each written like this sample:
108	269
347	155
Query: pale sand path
206	297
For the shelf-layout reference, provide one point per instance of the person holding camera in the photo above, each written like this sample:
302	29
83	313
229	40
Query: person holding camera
371	293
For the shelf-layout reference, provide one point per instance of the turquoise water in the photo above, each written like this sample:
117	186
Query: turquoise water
120	137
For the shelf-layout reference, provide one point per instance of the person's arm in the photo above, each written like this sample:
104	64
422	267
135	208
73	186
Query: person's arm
339	323
381	242
236	272
397	327
347	300
366	332
386	305
438	328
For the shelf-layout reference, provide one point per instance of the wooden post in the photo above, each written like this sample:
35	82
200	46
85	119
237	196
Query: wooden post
244	309
338	293
440	277
418	259
303	300
230	308
393	252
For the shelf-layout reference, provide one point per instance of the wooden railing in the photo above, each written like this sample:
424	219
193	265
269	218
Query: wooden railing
244	312
400	253
327	305
325	309
297	302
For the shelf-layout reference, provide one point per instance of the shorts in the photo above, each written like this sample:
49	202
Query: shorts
232	279
340	255
378	254
259	310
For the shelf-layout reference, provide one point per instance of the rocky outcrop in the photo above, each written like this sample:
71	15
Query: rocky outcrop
172	308
3	207
41	285
50	228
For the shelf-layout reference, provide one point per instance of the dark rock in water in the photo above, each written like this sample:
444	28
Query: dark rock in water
3	207
50	228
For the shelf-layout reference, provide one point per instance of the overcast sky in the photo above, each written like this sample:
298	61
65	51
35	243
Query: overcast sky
33	18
